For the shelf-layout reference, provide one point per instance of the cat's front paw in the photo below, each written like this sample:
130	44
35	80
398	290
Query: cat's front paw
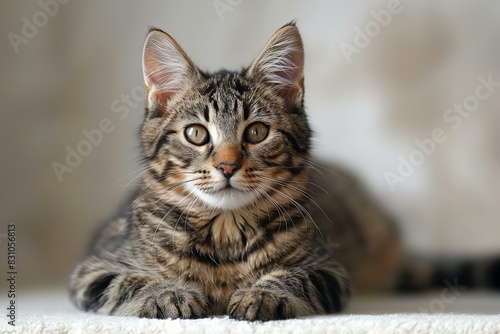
261	304
167	302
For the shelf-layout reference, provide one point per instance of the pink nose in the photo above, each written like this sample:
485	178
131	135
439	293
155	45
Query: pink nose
228	168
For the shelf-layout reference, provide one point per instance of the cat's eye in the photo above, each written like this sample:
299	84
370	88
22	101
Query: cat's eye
256	132
196	134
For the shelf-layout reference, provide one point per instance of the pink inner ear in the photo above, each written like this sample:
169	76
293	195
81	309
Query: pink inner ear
152	78
159	73
156	76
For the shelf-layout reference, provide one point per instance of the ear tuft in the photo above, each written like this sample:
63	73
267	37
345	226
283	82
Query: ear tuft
281	63
166	67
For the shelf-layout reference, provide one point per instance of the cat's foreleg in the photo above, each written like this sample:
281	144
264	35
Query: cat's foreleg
287	293
106	288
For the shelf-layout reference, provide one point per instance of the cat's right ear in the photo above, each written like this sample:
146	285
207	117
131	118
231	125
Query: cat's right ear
166	68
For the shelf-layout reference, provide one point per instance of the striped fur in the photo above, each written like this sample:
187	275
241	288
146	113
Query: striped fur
199	240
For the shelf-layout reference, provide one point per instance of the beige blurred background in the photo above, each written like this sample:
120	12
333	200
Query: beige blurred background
85	59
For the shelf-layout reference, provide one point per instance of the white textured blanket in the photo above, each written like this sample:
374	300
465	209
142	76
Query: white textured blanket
391	323
52	313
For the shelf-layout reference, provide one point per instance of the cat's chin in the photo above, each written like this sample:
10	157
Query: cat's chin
226	199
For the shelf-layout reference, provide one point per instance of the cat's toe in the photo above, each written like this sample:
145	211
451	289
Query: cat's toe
172	303
178	304
258	304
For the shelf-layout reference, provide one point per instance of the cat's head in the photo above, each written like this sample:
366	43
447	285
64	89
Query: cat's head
228	139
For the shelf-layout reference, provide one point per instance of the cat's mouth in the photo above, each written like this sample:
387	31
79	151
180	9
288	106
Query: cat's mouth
228	189
228	186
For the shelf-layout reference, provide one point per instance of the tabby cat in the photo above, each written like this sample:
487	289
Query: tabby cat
223	224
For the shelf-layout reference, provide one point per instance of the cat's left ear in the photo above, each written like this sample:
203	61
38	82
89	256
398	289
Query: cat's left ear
166	67
280	65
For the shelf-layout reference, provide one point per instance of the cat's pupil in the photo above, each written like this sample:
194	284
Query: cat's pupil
196	134
256	133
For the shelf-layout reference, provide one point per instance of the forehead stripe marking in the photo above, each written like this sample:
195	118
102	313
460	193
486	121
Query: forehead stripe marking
206	114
